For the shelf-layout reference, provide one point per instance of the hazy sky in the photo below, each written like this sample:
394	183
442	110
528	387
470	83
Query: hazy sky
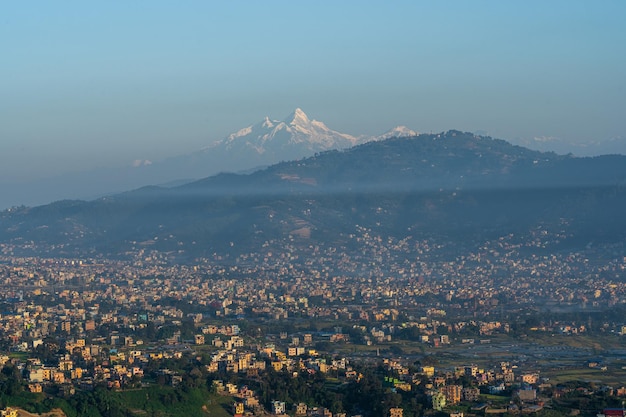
89	84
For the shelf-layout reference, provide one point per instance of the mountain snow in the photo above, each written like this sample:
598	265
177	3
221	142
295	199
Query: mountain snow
293	135
259	145
270	141
397	132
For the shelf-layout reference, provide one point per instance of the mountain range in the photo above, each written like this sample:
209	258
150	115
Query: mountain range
454	187
253	147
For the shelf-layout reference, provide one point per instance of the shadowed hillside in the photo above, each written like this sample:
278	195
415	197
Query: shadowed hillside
452	186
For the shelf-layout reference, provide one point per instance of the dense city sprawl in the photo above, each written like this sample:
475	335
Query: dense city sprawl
400	328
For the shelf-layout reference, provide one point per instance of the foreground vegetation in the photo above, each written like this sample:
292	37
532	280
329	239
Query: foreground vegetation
368	395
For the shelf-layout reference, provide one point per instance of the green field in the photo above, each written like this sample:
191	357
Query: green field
166	401
610	377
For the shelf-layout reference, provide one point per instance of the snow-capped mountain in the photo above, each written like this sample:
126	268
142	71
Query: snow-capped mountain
270	141
262	144
295	137
396	132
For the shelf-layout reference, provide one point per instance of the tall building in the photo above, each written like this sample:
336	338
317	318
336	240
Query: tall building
66	326
452	393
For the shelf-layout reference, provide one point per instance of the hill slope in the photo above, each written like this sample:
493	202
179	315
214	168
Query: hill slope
454	187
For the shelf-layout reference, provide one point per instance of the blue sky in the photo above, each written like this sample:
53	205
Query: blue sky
93	84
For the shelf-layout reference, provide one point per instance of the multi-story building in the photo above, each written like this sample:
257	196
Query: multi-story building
470	394
395	412
438	400
452	393
238	409
278	407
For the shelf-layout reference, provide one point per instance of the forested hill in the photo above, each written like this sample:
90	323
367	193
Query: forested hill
448	186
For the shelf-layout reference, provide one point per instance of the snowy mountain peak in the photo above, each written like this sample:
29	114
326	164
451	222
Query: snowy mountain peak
298	117
267	123
294	137
397	132
264	143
